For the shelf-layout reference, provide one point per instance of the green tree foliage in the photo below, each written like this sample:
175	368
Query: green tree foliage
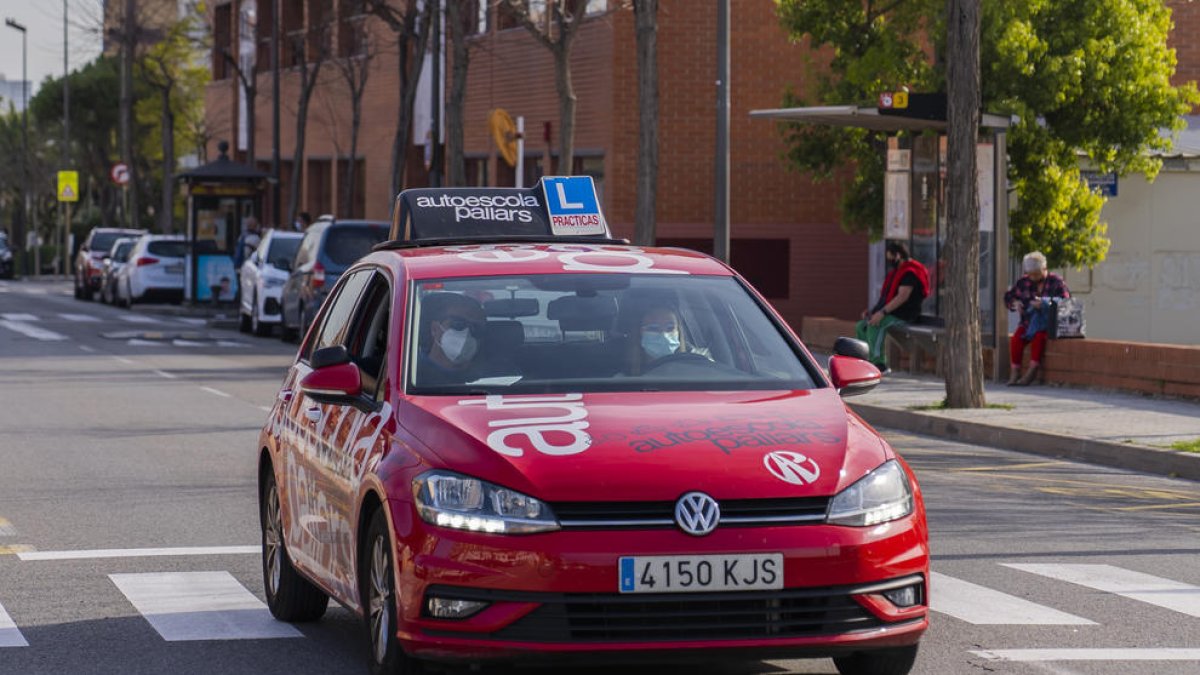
1086	79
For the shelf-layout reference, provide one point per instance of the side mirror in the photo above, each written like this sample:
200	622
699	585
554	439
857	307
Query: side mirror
334	378
856	349
852	376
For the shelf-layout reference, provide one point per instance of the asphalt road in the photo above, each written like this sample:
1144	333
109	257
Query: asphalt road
123	431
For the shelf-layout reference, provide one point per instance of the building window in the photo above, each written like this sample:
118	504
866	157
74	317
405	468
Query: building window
352	28
477	171
320	28
222	40
765	263
292	28
320	187
263	26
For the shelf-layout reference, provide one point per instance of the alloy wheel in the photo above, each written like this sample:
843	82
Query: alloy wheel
272	541
379	599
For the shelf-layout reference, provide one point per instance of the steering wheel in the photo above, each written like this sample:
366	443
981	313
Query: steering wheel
679	357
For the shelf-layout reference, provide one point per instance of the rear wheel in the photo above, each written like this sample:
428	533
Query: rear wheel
891	661
290	596
78	290
378	597
257	327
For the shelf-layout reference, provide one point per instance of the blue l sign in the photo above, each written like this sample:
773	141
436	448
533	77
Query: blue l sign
573	206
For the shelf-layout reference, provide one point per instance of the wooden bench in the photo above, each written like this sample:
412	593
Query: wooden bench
918	340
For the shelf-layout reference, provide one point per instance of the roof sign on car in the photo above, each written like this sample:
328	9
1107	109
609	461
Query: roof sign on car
557	207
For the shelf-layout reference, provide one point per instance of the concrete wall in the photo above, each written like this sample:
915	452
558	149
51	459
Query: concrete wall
1148	289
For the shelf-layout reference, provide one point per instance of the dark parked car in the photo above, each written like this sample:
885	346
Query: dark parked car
114	260
329	247
89	262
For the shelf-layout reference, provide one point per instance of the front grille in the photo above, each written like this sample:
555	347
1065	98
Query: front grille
681	616
649	515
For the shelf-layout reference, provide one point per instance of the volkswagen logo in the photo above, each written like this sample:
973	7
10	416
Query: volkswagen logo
792	467
696	513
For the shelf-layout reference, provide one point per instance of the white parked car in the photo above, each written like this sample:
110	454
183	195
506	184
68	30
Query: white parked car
154	270
261	280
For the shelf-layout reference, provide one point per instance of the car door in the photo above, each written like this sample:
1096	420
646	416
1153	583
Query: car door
312	494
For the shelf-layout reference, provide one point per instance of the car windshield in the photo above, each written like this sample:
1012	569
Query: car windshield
283	250
120	252
103	241
168	249
346	244
596	332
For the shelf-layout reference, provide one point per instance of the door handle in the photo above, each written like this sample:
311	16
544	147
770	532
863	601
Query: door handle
313	414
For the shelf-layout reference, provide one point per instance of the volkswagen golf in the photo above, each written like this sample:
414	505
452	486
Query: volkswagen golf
543	447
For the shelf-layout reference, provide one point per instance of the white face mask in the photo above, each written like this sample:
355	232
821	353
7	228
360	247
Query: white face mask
458	345
658	345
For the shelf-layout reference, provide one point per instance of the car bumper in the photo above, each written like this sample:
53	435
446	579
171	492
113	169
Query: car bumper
555	596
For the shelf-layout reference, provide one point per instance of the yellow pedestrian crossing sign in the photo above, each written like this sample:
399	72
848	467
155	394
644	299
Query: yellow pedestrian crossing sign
68	186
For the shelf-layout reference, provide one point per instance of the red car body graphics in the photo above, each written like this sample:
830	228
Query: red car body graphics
572	451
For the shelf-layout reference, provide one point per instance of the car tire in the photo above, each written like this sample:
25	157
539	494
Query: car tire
890	661
377	596
290	597
257	327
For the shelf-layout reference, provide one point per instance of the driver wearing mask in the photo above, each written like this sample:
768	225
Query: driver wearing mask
659	337
450	339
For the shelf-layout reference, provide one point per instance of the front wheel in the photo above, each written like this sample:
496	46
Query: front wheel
890	661
378	597
290	596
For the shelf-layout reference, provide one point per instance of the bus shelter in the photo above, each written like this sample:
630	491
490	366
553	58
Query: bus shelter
915	204
221	196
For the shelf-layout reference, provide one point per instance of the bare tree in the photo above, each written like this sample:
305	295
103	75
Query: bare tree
410	23
309	72
354	68
556	30
645	14
962	362
461	17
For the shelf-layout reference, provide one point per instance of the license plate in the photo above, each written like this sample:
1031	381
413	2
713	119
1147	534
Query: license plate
701	573
174	269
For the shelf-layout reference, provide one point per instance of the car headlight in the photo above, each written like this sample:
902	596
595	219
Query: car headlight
464	503
880	496
6	255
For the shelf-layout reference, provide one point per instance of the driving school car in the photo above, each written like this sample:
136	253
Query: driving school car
509	437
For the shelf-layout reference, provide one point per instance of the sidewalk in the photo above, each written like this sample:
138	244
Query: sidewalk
1113	429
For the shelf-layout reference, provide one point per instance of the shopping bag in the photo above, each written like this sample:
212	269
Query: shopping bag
1067	319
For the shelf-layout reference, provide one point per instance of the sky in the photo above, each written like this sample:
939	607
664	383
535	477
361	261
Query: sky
44	21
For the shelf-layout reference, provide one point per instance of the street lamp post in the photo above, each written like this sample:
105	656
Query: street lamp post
24	221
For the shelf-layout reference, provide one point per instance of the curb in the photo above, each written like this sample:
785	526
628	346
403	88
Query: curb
1118	455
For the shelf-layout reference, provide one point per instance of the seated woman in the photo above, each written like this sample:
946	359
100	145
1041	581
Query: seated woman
659	336
1026	296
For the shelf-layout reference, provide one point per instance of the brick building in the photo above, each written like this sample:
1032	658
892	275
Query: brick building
784	228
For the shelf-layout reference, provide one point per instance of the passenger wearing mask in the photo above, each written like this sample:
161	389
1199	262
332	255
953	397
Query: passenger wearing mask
451	333
660	335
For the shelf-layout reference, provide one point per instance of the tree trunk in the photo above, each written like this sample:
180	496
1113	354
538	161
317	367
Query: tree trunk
962	362
646	23
166	217
251	94
410	64
306	89
128	46
456	169
347	207
566	109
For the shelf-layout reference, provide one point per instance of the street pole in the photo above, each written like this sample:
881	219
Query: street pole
23	224
64	254
721	160
435	164
276	18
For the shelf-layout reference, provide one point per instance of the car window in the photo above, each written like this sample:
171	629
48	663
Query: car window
282	250
368	339
121	254
103	241
346	244
168	249
596	332
336	323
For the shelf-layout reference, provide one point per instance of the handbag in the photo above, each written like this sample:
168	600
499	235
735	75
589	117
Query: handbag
1065	319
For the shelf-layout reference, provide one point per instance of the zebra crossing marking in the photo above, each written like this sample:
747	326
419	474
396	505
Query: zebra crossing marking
10	635
1102	654
138	318
17	316
189	606
79	318
984	606
1152	590
92	554
29	330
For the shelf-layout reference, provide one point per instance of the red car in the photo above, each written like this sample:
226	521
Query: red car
578	449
